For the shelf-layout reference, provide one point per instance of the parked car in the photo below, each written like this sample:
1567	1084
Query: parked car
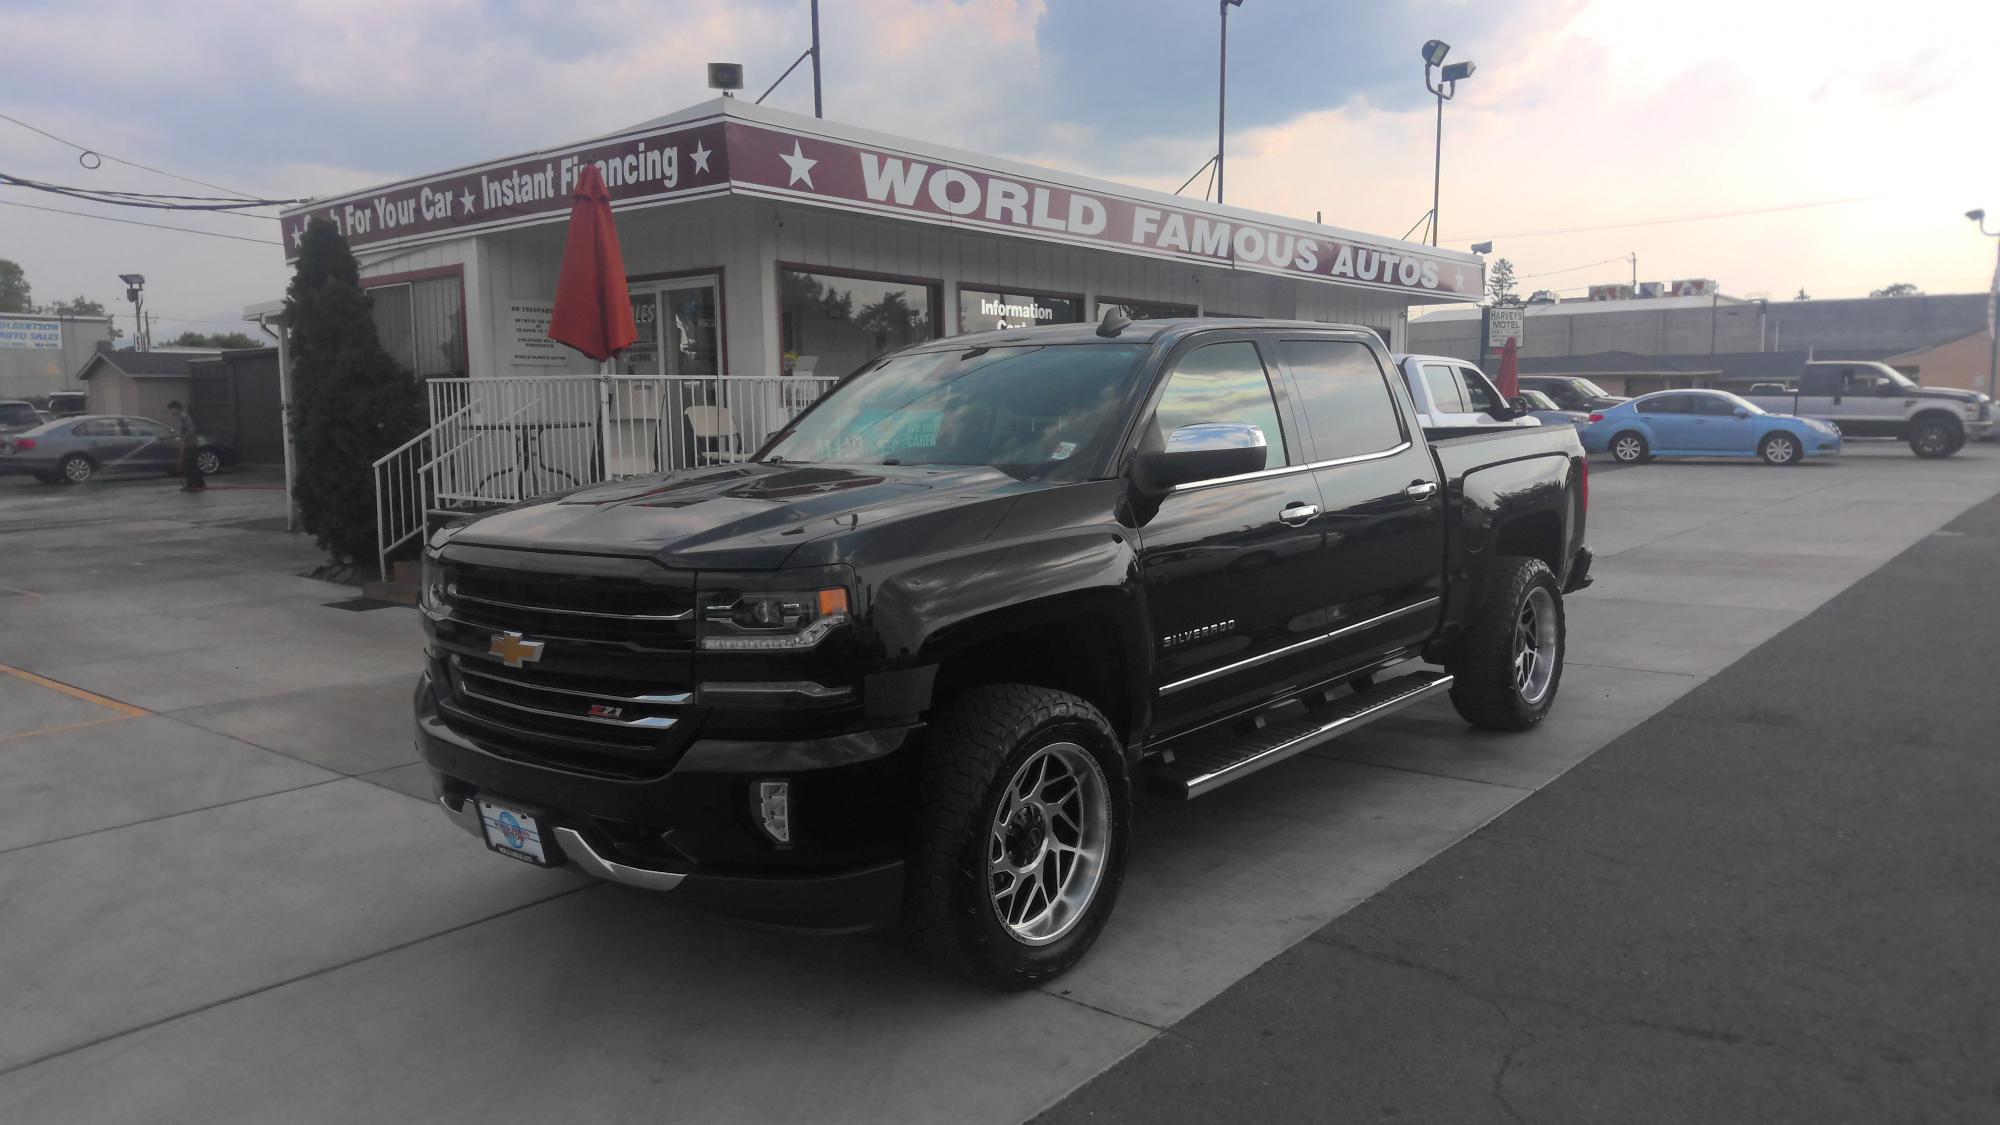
1695	423
910	659
68	404
1544	409
1452	393
1876	400
74	450
1571	392
16	416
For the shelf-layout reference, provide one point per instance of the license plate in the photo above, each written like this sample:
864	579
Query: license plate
513	833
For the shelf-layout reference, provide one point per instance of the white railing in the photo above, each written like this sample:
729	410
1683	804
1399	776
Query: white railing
505	439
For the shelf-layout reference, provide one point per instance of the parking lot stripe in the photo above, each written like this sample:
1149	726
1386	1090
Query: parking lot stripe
124	709
68	726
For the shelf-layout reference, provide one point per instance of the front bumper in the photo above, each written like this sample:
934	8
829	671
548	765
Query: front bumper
1980	429
692	832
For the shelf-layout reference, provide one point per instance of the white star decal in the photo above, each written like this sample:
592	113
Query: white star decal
700	156
466	198
800	165
299	236
1461	283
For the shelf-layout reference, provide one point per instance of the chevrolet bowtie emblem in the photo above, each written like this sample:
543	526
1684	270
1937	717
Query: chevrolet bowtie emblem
513	650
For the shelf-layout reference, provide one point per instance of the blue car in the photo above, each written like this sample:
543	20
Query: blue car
1704	424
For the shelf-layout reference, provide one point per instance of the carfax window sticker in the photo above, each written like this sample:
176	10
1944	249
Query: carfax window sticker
1063	451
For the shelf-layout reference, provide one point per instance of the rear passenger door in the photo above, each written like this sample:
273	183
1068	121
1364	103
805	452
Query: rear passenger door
1667	421
1380	574
1230	567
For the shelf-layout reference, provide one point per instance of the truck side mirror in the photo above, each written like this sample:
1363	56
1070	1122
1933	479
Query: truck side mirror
1203	451
1519	404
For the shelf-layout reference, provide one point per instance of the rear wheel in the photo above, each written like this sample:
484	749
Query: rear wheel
1510	661
207	462
1023	817
1630	448
1932	439
76	468
1780	449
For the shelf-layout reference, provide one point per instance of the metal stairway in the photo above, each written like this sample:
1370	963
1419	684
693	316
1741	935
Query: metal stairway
1211	763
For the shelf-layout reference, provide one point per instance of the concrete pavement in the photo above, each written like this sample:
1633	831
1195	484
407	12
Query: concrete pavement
240	912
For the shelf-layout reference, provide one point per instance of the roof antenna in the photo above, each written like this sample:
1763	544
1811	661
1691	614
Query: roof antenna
1114	322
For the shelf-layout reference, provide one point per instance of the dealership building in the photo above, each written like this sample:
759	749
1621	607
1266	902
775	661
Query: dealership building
762	243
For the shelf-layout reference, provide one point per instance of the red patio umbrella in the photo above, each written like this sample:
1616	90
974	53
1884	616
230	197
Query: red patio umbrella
1509	379
593	312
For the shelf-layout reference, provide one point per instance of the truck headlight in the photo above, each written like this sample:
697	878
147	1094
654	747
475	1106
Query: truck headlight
431	595
773	620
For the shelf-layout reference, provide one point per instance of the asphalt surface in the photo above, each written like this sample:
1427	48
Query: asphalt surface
1775	900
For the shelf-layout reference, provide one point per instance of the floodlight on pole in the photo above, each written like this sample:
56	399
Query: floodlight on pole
1482	248
1443	88
1222	93
135	292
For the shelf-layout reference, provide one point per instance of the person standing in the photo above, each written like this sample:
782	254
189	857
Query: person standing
189	465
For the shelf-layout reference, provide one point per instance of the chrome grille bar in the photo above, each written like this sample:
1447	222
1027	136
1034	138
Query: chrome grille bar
452	591
650	722
676	699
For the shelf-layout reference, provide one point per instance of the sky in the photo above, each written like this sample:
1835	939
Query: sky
1772	145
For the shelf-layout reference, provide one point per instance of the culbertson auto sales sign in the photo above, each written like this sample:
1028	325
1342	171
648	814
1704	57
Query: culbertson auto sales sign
30	332
725	155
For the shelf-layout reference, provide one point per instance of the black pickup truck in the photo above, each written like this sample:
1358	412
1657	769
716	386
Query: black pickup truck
909	662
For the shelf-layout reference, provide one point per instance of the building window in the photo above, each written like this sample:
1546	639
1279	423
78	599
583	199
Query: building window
422	324
1143	310
987	310
832	323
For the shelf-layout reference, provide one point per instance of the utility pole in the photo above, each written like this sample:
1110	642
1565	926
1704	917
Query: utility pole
1634	255
1222	95
818	109
1978	215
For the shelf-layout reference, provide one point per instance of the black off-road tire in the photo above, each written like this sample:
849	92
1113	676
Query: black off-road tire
1932	439
1485	689
974	746
1791	454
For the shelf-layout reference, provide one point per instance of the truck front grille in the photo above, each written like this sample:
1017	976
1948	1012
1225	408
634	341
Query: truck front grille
642	611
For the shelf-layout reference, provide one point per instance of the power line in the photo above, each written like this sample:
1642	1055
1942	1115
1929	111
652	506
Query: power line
139	223
83	151
1569	269
149	200
1680	219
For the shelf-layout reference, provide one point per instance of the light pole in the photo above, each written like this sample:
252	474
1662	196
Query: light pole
1222	94
135	292
1978	215
1446	85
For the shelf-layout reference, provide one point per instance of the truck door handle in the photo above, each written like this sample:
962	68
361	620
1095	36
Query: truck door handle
1421	490
1298	512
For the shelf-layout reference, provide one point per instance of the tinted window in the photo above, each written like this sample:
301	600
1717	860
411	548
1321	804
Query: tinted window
1665	404
1478	391
1861	382
1222	383
98	427
1347	402
18	414
1443	386
143	427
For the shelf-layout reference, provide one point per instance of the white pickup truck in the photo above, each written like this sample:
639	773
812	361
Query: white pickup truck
1867	399
1451	393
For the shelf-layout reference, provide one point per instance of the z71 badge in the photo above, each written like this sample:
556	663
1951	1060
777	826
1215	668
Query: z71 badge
1215	630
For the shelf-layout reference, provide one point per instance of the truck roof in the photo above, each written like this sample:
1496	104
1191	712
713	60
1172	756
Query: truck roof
1138	332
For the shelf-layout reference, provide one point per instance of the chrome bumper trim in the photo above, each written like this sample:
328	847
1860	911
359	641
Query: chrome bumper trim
579	852
466	815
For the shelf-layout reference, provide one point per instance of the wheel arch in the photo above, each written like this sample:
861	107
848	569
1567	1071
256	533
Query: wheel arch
1084	643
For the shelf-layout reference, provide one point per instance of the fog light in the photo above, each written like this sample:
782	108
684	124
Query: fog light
774	807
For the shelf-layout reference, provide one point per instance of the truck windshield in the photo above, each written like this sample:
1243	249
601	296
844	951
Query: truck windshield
1040	413
1586	387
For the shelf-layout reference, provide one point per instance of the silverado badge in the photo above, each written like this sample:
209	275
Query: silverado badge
514	650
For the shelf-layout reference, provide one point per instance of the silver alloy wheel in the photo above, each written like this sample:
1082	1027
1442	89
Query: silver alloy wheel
1628	448
1047	847
77	470
1535	646
207	463
1778	450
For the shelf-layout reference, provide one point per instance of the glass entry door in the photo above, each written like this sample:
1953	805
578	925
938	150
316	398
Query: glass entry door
655	419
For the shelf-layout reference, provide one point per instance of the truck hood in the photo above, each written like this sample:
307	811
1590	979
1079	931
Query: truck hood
747	516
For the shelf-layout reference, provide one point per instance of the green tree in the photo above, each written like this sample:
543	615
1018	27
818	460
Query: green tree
16	295
1501	286
1899	289
75	306
214	340
352	403
1802	295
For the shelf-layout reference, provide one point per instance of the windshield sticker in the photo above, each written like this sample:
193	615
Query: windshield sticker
1063	451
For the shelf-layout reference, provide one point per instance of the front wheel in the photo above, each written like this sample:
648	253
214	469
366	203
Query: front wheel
1510	661
1630	448
207	462
1023	818
1932	440
1779	449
